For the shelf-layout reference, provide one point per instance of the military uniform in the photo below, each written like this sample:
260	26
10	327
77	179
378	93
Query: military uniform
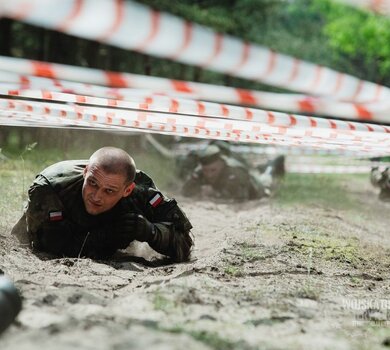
57	221
381	179
234	179
235	182
186	164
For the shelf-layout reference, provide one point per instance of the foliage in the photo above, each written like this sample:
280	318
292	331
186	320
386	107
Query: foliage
230	17
338	36
360	36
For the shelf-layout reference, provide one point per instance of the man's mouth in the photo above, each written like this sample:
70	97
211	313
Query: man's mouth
93	203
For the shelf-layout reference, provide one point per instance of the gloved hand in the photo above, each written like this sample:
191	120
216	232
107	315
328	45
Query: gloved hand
266	179
126	228
142	228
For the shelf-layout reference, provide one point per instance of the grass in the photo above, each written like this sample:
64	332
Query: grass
234	271
31	160
160	169
211	339
161	303
318	189
216	342
308	291
250	252
346	250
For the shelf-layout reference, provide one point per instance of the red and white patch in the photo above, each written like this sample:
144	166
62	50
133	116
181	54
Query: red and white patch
55	216
156	200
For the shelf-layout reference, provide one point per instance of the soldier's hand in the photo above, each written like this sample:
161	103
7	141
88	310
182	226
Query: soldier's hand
120	232
142	228
266	180
207	191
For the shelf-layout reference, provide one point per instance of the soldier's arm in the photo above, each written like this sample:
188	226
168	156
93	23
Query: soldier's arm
171	236
47	227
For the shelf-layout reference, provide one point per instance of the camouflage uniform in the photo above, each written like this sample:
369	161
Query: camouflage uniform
57	221
186	164
236	182
381	179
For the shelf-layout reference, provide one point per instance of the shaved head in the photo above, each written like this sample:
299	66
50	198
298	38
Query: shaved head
114	161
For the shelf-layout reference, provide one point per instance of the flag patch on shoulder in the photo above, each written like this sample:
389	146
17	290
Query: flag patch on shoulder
55	216
156	200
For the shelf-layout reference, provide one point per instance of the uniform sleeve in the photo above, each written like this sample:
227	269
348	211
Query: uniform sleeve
47	227
172	237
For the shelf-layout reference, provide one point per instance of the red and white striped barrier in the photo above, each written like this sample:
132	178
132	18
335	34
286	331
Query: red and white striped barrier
347	156
104	115
18	71
194	126
147	102
327	169
164	35
312	129
274	119
28	119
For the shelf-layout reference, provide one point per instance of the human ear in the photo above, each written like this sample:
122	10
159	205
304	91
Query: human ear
129	189
85	171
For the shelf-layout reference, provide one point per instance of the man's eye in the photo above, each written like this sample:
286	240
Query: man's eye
109	191
92	182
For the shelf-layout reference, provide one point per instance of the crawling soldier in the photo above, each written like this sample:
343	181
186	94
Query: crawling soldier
91	208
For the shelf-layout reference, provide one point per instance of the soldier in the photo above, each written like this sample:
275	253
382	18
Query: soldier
91	208
186	164
381	179
220	176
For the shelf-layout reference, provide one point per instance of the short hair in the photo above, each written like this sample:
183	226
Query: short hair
114	161
209	155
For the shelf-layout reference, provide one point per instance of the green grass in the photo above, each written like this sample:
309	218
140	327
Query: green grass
160	169
234	271
161	303
250	252
318	189
12	197
307	291
345	250
211	339
30	162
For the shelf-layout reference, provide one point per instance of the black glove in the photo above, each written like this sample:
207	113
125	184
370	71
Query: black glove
123	230
142	228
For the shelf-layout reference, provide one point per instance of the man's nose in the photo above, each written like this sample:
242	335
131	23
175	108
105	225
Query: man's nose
97	195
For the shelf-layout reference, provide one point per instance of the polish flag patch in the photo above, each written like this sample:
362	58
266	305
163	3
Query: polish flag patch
55	216
156	200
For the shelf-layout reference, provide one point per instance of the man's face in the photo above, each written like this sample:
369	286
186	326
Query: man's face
102	191
212	171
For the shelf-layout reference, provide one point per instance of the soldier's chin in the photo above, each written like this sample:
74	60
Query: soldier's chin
212	181
93	210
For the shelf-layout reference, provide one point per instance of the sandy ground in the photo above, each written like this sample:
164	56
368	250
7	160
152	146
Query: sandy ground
263	276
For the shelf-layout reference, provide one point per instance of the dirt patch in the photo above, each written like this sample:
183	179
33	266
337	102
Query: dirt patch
264	275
